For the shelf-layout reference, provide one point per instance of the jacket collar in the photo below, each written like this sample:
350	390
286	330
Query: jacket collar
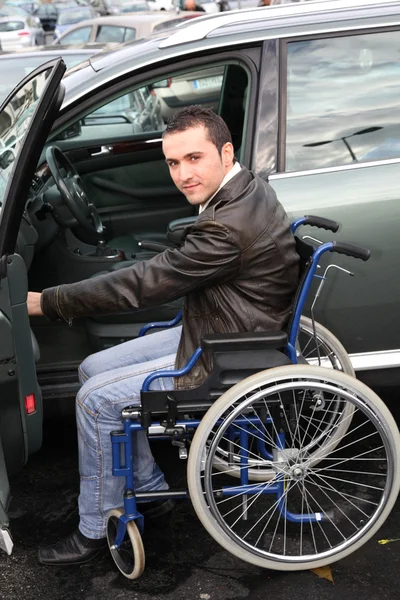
234	188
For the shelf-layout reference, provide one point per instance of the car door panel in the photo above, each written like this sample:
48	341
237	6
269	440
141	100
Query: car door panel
26	119
362	312
130	185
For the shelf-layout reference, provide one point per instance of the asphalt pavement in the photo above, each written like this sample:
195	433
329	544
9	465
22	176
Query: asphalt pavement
182	561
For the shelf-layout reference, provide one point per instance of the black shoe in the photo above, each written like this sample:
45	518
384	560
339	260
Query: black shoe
75	549
156	508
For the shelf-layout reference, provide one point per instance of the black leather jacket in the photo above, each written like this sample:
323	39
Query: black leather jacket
237	269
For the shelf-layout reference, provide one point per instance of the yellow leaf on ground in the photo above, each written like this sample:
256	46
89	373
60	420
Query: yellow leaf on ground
388	541
324	573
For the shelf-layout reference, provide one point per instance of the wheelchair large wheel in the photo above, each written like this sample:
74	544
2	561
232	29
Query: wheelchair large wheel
321	347
325	499
130	556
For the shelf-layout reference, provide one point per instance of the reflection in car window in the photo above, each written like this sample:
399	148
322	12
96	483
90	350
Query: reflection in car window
78	35
342	100
15	69
11	25
148	108
69	17
14	122
130	34
107	33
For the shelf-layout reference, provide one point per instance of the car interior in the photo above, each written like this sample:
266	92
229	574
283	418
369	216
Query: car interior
102	199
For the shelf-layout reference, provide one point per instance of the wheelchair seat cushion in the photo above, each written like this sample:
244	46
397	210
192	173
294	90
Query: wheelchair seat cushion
237	342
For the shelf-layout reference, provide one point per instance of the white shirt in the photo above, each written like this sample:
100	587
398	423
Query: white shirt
234	171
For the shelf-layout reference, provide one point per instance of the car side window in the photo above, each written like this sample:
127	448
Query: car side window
11	25
108	33
78	35
342	100
147	109
130	34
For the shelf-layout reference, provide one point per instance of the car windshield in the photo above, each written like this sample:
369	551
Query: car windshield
69	17
10	11
15	118
15	69
133	6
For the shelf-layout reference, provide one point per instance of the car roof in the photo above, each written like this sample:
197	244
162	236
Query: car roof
230	28
46	51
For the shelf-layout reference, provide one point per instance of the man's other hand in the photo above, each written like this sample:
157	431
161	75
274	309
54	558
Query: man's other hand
34	308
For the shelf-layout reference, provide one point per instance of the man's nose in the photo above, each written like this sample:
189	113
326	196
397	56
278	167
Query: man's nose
185	172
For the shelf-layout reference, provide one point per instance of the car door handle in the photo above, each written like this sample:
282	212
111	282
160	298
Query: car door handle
102	152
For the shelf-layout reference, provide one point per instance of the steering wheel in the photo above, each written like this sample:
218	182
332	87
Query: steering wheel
72	191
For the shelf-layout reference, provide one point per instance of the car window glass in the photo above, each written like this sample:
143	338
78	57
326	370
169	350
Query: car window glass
130	34
13	70
12	26
147	109
342	100
78	35
69	17
14	122
107	33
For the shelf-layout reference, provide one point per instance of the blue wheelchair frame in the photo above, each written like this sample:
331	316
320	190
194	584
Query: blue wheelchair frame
122	440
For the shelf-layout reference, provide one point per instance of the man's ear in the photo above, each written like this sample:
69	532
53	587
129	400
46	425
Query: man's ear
227	154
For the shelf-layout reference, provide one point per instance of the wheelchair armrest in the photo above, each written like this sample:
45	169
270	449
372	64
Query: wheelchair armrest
236	342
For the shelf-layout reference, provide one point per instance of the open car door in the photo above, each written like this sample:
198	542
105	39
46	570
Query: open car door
26	118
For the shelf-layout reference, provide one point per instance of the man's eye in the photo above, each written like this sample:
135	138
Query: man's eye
172	164
194	158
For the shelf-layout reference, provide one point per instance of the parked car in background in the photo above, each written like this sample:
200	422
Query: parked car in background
210	6
10	11
200	87
17	64
67	17
116	7
26	5
20	31
120	29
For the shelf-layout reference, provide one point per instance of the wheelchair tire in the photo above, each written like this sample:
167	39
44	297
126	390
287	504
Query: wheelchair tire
334	356
334	353
130	556
334	522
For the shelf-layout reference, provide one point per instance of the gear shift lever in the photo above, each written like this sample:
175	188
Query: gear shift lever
103	250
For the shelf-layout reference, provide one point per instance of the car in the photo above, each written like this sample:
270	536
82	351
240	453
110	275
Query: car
116	7
48	12
310	94
67	17
120	29
210	6
25	5
16	64
18	31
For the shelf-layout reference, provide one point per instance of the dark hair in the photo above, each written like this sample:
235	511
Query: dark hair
195	116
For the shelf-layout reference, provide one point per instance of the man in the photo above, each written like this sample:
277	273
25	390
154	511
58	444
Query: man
191	5
237	269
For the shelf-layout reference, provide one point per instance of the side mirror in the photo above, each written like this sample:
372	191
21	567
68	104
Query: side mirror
164	83
72	131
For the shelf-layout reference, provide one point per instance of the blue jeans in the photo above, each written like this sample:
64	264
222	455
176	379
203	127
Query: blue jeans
111	380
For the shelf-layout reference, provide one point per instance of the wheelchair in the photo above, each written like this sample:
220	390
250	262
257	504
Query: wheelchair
290	465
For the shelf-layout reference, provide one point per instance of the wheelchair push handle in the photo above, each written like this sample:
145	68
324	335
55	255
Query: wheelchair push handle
321	222
350	250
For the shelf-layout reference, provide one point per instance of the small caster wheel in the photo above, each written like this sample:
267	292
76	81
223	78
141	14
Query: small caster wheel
130	556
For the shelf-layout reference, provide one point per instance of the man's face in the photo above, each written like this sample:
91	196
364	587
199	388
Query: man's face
190	4
195	164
